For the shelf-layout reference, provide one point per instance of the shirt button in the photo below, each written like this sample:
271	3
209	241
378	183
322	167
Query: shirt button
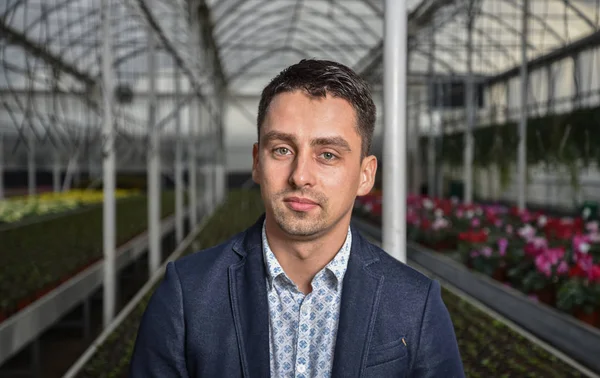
301	369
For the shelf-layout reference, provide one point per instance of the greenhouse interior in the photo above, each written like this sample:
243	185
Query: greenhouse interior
126	136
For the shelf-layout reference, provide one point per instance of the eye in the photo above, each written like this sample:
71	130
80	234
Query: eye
328	156
281	151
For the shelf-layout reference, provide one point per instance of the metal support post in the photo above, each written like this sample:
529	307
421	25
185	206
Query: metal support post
108	166
394	136
154	245
522	151
178	164
192	191
207	165
414	148
470	108
193	127
431	135
439	140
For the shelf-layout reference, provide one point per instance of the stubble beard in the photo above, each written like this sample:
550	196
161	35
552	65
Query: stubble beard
298	223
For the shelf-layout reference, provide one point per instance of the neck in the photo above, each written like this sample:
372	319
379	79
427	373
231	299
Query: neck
302	259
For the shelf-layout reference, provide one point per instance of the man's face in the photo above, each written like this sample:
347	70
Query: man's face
308	163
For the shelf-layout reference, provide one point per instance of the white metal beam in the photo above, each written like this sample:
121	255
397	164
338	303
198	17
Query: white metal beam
394	132
108	166
153	162
522	162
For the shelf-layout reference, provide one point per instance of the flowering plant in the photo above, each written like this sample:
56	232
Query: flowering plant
555	260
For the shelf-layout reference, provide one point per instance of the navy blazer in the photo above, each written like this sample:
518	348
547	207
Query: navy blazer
209	318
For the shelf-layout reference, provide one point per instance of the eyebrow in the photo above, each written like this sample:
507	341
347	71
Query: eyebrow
324	141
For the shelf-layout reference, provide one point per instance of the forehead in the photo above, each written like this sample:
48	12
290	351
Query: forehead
301	114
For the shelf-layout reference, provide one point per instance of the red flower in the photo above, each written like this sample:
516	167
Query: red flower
577	271
594	274
473	236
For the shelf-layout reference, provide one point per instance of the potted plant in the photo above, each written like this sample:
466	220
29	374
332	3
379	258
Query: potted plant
580	295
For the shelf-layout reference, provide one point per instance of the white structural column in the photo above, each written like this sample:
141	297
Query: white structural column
413	146
432	121
440	137
108	166
192	191
178	163
222	164
470	109
208	171
153	157
522	159
394	131
194	41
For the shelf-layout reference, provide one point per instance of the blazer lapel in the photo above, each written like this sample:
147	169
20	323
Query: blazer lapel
360	301
248	294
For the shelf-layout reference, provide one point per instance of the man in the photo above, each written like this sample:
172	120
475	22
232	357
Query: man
301	293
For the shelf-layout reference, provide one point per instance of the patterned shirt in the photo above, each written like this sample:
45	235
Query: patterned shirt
303	328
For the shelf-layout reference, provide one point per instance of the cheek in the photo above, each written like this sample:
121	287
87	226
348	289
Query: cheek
340	183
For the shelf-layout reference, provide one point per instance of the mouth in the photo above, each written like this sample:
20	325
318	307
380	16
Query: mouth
300	204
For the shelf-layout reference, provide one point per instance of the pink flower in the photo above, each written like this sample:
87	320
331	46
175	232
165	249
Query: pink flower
440	223
474	254
502	245
592	227
543	265
459	213
475	222
498	223
540	242
486	252
563	268
585	261
581	243
509	229
594	273
594	237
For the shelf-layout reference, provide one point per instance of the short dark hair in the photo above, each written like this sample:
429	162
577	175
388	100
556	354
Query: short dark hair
318	78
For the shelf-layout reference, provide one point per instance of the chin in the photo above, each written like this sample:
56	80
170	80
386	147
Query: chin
302	224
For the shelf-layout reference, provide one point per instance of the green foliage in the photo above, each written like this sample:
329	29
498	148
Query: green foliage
39	256
578	294
491	349
556	140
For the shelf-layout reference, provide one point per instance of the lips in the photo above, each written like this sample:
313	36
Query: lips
300	204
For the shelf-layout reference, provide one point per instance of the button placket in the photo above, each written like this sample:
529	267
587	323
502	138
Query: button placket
303	341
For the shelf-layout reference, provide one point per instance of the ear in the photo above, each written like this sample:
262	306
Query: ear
255	166
368	171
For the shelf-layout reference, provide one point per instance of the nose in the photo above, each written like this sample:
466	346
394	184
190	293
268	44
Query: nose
302	173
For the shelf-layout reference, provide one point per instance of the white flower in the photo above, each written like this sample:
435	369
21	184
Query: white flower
427	203
470	214
542	221
586	213
584	247
527	231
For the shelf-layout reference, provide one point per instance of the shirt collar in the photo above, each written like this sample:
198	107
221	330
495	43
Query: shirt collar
337	266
